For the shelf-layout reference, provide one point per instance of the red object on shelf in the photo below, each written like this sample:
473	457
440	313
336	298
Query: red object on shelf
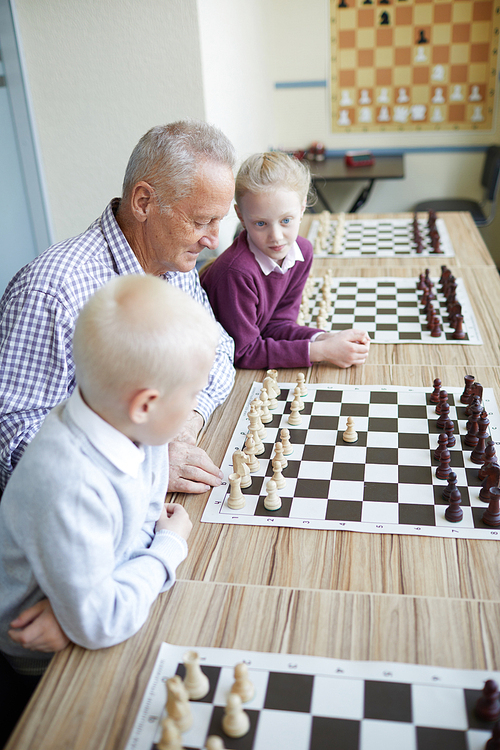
359	158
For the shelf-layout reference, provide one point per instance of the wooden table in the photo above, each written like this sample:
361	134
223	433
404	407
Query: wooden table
328	593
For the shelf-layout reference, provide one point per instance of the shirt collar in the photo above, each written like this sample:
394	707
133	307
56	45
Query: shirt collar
268	265
113	444
124	257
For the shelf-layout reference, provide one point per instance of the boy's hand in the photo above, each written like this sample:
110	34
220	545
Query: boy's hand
37	629
174	517
343	348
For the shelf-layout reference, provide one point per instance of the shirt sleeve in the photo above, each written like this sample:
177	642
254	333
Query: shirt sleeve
37	370
98	600
221	376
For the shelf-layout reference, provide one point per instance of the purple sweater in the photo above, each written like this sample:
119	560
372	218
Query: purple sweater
260	311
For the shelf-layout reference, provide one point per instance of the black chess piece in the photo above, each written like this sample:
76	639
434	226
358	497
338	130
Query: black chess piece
434	397
442	444
443	470
449	428
466	395
491	516
478	455
488	704
454	512
384	19
452	485
494	741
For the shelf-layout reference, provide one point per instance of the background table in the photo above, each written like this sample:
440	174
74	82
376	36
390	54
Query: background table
328	593
334	169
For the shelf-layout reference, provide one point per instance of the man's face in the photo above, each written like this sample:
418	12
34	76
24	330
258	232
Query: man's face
176	237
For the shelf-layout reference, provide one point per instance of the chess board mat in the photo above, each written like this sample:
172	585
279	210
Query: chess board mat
384	484
382	79
380	238
314	703
388	308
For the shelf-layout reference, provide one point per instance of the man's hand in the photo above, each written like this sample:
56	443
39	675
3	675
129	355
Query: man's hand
191	429
37	629
191	470
342	348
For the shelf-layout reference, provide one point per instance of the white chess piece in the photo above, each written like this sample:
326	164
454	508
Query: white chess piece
215	743
171	737
278	476
195	681
235	721
350	435
294	417
272	501
475	95
236	499
242	684
285	441
253	461
301	382
240	466
279	455
177	705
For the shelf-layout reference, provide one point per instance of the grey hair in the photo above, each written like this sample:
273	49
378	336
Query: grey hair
136	332
168	156
274	169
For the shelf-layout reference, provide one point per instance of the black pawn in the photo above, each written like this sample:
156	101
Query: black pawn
465	397
442	444
444	412
454	512
452	485
443	470
491	478
491	516
434	397
458	333
472	437
443	397
494	741
488	704
450	432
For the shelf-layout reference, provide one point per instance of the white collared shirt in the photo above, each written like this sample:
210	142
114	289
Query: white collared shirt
113	444
268	265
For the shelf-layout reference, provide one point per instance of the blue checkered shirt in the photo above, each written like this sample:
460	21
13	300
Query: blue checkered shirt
37	316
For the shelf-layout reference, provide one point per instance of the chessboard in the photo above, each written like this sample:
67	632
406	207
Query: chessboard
388	308
384	483
375	238
314	703
418	65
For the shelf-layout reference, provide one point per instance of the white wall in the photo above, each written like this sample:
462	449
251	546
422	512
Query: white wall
101	73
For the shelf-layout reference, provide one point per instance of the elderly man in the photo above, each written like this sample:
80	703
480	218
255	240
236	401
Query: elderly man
178	186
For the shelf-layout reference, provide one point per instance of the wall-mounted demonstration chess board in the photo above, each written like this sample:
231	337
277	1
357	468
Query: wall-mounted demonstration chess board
413	65
375	238
384	483
389	309
314	703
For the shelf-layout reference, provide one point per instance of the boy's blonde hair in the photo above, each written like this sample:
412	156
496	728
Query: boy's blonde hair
270	170
139	332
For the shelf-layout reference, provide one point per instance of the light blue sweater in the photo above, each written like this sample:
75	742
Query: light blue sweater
77	526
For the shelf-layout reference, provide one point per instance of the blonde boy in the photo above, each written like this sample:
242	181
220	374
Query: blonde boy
83	520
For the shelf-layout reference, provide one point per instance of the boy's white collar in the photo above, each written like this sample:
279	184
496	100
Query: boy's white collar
113	444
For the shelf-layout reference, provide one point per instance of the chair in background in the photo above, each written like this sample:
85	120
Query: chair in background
489	181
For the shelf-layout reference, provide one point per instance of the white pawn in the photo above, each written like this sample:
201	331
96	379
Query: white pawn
279	455
242	684
301	382
177	705
294	418
240	466
350	435
171	737
296	397
236	499
285	441
215	743
265	414
195	681
277	475
253	461
235	721
272	501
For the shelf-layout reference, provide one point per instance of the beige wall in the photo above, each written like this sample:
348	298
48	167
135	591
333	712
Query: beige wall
101	73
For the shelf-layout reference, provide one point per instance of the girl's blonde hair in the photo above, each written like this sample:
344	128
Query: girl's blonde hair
274	169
